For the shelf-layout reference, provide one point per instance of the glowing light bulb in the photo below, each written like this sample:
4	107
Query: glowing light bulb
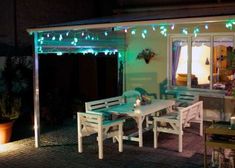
61	37
133	32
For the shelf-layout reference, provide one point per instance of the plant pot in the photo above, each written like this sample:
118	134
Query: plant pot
5	131
147	60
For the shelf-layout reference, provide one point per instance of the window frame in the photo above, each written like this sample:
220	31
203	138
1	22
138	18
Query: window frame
190	37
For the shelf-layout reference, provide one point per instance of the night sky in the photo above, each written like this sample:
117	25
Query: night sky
18	15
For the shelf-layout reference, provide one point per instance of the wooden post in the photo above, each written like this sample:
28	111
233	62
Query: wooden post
36	93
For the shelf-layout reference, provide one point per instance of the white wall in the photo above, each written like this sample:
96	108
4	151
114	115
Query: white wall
140	74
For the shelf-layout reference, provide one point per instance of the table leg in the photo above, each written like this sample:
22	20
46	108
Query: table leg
140	128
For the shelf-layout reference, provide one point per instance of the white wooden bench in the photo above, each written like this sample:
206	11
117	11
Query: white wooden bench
103	103
174	122
91	123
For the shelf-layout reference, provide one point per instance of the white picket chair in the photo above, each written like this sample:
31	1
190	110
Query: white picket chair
174	122
91	123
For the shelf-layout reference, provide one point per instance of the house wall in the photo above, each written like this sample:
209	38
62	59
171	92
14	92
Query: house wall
140	74
149	76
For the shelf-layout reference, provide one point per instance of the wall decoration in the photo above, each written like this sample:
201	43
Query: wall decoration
146	54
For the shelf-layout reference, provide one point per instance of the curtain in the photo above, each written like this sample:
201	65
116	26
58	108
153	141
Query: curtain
176	47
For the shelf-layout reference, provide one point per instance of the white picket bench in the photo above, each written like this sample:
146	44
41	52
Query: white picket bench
103	103
91	123
174	122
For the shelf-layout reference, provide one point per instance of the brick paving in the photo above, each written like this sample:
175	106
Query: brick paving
59	150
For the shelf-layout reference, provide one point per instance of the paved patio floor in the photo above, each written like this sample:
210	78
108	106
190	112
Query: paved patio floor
59	150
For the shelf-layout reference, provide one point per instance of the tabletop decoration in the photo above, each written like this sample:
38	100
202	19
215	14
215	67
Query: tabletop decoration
145	100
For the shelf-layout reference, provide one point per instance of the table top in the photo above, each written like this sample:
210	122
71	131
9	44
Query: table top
220	129
129	109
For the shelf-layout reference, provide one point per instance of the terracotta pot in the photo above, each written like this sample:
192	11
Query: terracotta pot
5	131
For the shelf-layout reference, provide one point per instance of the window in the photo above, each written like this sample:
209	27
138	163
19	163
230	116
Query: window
200	62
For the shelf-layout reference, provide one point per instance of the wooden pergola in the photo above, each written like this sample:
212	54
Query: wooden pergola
96	35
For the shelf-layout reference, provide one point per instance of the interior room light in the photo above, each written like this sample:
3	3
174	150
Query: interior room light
172	27
106	33
53	38
206	26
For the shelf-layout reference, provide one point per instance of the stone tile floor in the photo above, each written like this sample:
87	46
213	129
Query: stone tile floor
59	150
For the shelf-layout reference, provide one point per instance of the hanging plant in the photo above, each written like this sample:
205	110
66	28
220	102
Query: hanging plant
146	54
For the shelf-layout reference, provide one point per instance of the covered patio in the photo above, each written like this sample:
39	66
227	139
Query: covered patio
59	149
128	38
188	55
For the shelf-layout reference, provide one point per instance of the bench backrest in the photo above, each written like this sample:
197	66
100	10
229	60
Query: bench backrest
89	123
187	97
192	112
103	103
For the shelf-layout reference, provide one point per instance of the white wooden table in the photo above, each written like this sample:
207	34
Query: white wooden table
139	114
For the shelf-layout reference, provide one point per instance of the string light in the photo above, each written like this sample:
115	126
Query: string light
153	27
61	37
163	30
133	32
73	37
185	31
196	31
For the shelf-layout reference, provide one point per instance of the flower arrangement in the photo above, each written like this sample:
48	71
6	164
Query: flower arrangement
146	54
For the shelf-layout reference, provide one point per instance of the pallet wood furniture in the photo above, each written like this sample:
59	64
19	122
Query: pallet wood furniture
219	130
91	123
116	106
174	122
184	98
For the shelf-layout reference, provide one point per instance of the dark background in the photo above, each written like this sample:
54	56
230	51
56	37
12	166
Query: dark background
18	15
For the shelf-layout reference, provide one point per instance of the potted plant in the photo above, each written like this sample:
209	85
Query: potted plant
12	85
146	54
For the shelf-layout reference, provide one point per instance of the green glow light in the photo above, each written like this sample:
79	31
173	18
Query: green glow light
61	37
185	31
59	53
143	35
133	32
145	31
